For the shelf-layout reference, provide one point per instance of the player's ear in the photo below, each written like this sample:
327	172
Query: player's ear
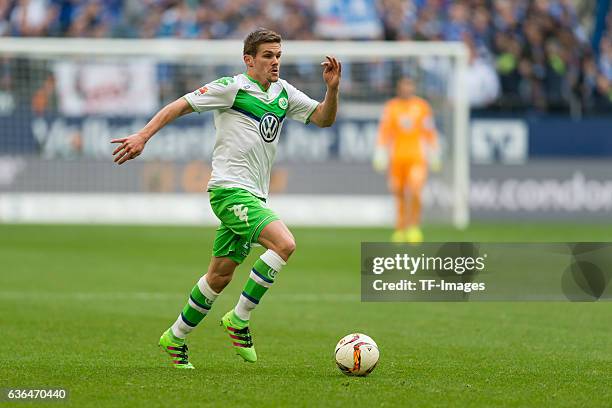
248	60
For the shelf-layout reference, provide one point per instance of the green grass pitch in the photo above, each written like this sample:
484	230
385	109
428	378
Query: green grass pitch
82	307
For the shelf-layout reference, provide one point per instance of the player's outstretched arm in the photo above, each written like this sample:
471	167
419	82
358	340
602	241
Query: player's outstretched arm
325	114
131	146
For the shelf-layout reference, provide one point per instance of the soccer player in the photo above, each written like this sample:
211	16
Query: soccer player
249	110
406	138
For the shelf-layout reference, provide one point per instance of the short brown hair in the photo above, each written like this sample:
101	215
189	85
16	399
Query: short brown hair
257	37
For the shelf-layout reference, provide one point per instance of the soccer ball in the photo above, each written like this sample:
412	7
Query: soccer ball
356	354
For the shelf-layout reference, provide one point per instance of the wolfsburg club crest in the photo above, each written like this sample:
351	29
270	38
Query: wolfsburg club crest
283	103
268	127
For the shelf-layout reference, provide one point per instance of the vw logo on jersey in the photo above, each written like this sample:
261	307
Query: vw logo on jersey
268	127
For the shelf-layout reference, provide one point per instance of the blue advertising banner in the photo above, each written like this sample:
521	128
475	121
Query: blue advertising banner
351	139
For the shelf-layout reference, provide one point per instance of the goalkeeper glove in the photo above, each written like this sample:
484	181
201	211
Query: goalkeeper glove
434	158
380	161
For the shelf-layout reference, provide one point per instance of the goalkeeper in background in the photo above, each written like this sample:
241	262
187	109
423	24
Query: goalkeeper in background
407	143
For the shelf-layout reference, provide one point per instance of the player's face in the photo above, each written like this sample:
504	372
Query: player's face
405	88
266	64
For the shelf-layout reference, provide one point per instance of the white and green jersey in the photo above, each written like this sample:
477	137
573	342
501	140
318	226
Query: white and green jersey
248	120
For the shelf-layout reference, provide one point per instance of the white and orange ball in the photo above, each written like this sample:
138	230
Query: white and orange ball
356	354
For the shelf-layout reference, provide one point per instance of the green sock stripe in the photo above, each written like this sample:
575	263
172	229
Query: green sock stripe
264	269
254	290
192	315
200	299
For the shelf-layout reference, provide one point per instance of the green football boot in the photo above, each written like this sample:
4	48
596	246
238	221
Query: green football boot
414	235
398	236
238	331
176	348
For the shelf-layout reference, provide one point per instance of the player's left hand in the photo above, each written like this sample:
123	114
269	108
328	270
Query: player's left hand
332	72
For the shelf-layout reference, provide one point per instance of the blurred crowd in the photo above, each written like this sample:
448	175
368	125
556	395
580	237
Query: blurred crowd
540	50
524	54
205	19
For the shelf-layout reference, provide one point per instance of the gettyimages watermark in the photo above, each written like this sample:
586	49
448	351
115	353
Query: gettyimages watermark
466	271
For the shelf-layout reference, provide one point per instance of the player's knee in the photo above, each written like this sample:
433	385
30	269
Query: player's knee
291	246
285	248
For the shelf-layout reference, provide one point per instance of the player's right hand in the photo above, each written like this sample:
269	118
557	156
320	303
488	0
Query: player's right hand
129	147
380	161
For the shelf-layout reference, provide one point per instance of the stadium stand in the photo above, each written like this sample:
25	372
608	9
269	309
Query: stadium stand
533	55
